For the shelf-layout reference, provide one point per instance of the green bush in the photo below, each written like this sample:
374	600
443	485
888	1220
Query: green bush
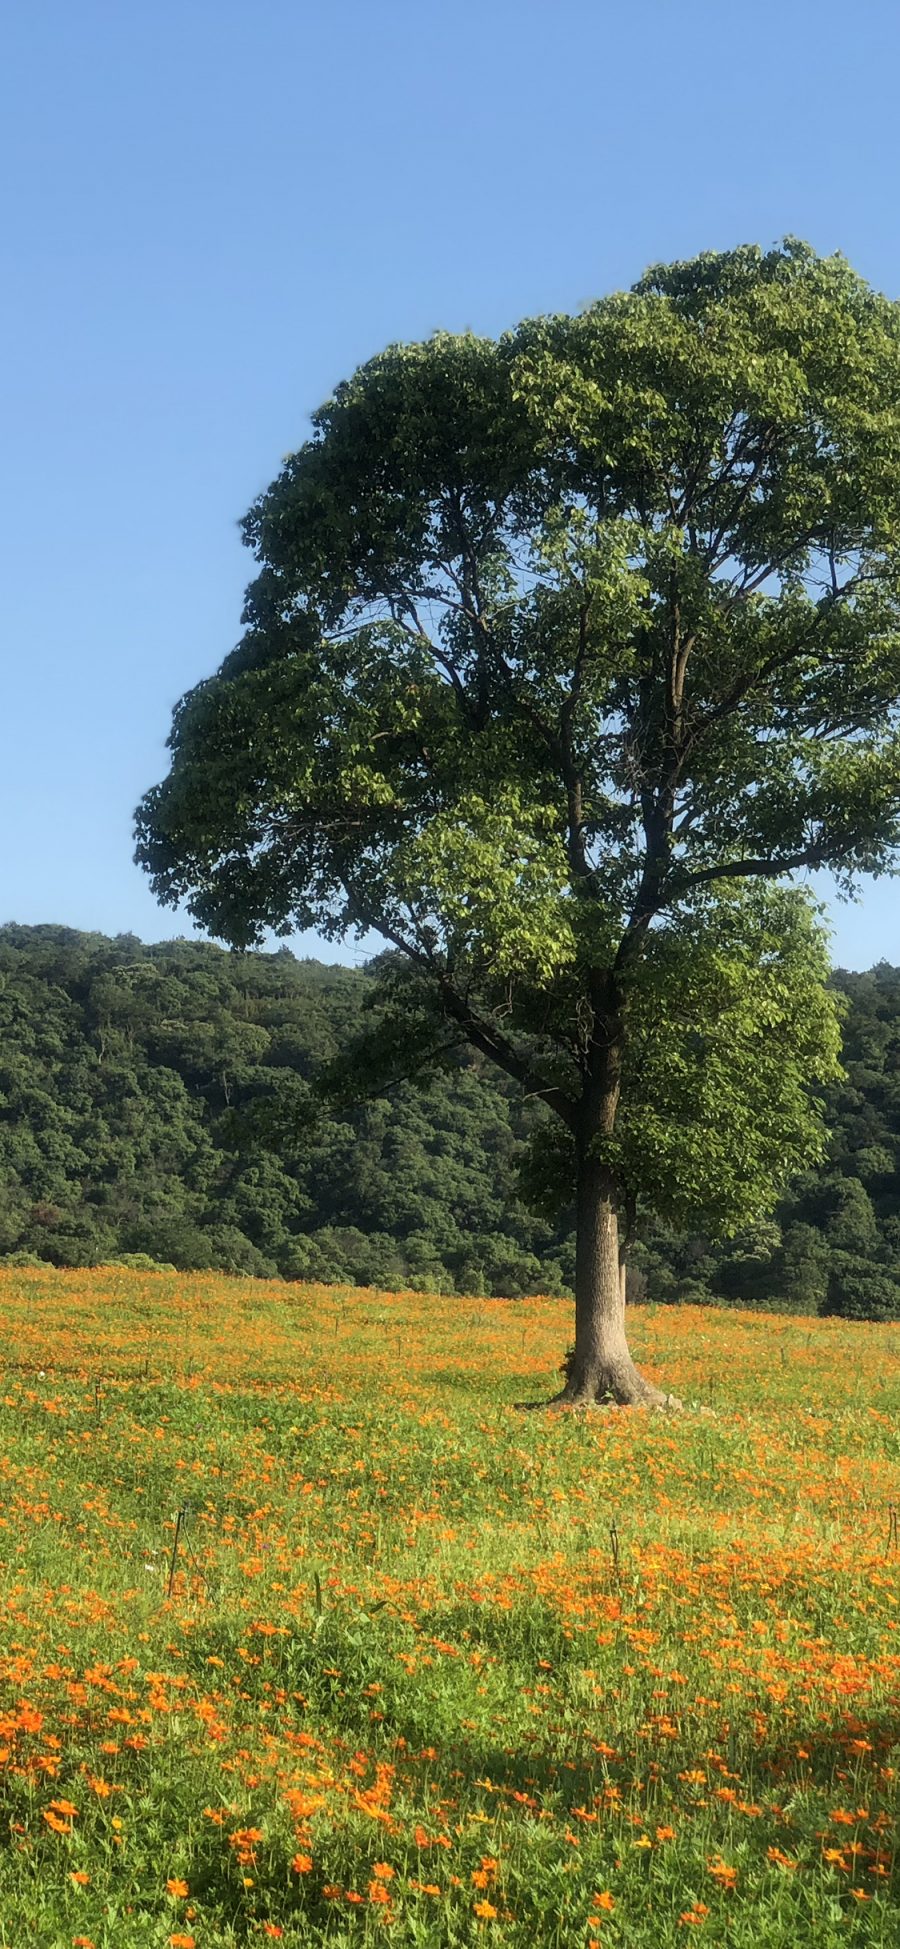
858	1290
142	1262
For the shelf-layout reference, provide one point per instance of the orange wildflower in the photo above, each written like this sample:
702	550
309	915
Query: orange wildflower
722	1873
177	1887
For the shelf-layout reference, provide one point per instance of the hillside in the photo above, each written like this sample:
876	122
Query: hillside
156	1099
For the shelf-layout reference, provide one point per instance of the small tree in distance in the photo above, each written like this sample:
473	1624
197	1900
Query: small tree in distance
562	645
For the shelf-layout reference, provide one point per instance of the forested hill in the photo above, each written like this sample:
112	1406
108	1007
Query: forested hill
154	1099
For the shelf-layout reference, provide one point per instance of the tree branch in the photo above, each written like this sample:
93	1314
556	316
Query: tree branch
483	1035
488	1038
572	779
421	636
812	856
750	681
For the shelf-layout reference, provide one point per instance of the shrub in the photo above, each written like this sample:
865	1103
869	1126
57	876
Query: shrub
142	1262
857	1290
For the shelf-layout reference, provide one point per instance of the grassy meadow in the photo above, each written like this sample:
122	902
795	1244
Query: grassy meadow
309	1636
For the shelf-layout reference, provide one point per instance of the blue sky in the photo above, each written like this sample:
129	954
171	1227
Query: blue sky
212	213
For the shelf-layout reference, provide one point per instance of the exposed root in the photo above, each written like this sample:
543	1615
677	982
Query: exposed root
619	1385
603	1401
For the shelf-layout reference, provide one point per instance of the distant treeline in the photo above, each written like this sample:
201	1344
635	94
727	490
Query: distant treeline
157	1100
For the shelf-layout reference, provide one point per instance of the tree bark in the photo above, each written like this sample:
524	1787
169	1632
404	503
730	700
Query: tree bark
601	1366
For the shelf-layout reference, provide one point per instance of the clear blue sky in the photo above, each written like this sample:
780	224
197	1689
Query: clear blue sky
213	212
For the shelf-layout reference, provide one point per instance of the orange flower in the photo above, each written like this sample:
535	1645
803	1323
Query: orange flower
80	1878
378	1892
82	1942
720	1871
606	1900
383	1871
183	1941
177	1887
486	1911
271	1928
301	1864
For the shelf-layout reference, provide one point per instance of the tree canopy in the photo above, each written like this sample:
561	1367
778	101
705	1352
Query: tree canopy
553	637
444	714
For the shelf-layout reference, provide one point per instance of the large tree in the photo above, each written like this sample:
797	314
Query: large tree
554	639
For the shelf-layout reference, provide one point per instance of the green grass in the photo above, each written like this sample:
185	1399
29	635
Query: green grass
650	1659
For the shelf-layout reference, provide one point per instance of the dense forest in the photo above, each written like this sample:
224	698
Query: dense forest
160	1100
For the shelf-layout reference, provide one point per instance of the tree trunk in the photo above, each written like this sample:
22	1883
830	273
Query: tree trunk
602	1366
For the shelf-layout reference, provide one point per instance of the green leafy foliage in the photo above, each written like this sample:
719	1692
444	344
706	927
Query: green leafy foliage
561	645
323	1165
550	631
168	1103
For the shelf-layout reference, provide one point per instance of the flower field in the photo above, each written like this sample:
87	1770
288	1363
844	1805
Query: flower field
309	1636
